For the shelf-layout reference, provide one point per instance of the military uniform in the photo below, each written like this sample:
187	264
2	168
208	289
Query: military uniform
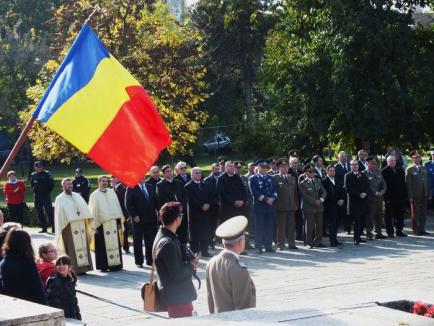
262	187
312	190
375	215
286	206
419	191
42	184
229	286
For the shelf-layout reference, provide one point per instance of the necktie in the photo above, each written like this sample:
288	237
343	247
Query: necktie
145	191
199	185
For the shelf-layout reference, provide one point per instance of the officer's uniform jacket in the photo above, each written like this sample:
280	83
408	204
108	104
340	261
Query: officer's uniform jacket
229	286
42	183
81	185
376	183
311	191
262	187
418	183
287	193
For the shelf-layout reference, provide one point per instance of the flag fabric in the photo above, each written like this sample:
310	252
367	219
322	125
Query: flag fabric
94	103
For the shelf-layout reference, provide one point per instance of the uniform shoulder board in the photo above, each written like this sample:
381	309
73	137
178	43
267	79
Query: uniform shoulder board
242	265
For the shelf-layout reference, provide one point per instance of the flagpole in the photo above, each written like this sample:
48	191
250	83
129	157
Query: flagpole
91	14
17	146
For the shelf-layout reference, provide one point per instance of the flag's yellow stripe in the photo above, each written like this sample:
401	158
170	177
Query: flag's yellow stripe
82	119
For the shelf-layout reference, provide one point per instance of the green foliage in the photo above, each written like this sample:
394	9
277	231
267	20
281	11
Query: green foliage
343	71
161	53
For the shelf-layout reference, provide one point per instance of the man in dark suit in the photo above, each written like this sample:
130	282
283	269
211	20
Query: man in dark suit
199	197
232	193
154	177
341	168
394	197
214	210
295	171
363	163
335	200
142	206
357	185
120	191
181	173
169	189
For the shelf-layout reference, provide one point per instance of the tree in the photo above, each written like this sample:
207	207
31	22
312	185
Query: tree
339	72
161	53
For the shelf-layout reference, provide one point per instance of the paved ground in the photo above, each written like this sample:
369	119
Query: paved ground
293	287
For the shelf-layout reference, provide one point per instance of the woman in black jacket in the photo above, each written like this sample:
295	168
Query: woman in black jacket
176	285
61	289
19	277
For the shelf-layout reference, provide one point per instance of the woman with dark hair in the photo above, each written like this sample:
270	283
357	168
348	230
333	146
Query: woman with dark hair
19	277
61	289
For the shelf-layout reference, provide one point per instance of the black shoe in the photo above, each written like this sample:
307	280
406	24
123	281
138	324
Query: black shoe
356	242
270	250
127	251
339	243
334	244
390	236
369	236
139	265
401	234
293	247
425	233
380	236
43	231
310	246
149	263
104	270
348	232
321	245
206	254
258	251
362	241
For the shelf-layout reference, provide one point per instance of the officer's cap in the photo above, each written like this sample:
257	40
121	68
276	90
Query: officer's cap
415	153
78	170
37	164
238	164
262	163
222	159
372	159
282	161
293	153
271	160
232	228
309	168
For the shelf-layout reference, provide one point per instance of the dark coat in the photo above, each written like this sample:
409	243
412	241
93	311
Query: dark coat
153	182
61	294
175	274
212	186
138	205
19	278
120	191
171	191
396	188
178	177
334	193
198	219
42	183
355	185
81	185
231	189
340	173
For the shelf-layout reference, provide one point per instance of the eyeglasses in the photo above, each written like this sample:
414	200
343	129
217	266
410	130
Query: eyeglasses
183	168
54	250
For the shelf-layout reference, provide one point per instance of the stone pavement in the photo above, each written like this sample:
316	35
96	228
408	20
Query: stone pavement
324	286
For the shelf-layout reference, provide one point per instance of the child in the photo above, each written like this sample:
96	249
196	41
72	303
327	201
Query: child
61	289
45	263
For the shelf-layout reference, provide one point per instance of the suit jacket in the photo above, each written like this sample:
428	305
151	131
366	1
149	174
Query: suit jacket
138	205
355	185
362	166
231	189
287	193
341	170
153	182
418	183
320	177
212	186
311	191
197	197
120	191
396	187
178	177
334	193
171	191
228	283
296	174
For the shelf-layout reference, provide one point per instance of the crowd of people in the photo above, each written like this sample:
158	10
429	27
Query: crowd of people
282	200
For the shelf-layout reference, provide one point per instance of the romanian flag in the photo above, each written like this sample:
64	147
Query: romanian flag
94	103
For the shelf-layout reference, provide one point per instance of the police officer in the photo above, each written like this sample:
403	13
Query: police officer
228	282
81	185
419	192
264	194
377	189
42	184
430	170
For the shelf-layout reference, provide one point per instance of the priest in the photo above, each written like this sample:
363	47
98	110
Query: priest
73	227
107	226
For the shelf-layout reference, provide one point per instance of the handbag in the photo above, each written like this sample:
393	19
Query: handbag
151	295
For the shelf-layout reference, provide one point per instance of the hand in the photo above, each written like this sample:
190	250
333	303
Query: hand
363	195
205	207
318	202
378	194
195	262
136	219
16	189
340	202
270	201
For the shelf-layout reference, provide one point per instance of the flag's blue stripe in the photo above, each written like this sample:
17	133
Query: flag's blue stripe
76	70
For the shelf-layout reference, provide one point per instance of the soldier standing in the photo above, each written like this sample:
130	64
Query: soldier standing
419	192
42	184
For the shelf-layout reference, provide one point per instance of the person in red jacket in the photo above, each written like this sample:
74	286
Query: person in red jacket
45	264
14	192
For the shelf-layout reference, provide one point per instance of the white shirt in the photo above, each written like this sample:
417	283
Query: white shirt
332	180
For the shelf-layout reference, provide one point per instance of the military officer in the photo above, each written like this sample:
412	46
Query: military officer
286	205
313	196
81	185
419	192
430	170
377	189
229	286
42	184
273	166
263	195
238	167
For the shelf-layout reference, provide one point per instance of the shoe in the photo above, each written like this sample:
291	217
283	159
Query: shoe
270	250
127	251
321	245
43	231
362	241
149	263
309	246
139	265
206	254
390	236
425	233
380	236
356	242
258	251
401	234
369	236
339	243
348	232
104	270
243	253
334	244
293	247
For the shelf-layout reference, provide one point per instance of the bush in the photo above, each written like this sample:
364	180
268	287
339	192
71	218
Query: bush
30	217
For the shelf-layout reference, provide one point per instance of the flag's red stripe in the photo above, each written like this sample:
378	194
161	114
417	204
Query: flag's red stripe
133	140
